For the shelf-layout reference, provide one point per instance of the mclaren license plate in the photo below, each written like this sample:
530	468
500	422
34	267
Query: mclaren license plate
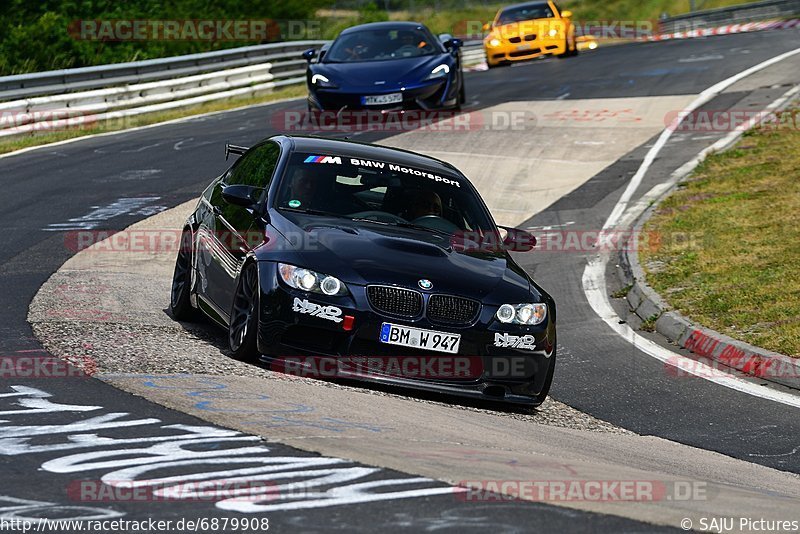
381	100
418	338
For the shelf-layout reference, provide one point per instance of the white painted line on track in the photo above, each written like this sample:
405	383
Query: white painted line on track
147	126
701	99
594	283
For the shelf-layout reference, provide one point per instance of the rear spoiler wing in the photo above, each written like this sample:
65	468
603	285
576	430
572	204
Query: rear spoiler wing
234	149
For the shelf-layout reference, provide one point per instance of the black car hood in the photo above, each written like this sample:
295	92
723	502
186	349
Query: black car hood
365	253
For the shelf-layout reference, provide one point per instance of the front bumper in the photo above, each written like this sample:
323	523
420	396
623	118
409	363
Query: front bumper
433	94
485	366
508	52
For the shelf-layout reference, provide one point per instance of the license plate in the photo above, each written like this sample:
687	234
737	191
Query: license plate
418	338
524	47
379	100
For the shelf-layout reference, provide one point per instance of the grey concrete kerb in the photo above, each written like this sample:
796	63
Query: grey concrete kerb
719	348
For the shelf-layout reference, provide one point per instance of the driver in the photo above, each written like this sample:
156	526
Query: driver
409	39
426	203
303	186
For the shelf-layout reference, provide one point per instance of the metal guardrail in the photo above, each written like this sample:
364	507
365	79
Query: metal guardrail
472	53
61	81
739	14
72	97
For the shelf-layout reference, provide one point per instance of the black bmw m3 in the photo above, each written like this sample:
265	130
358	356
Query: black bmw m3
330	257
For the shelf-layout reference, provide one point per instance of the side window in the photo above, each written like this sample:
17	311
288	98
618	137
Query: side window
256	167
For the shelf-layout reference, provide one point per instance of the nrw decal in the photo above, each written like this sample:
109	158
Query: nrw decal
330	313
527	342
323	159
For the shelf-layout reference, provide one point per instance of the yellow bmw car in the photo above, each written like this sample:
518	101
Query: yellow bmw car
529	30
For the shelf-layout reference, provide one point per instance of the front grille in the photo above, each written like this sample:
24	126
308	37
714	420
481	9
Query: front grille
515	40
523	53
453	310
395	300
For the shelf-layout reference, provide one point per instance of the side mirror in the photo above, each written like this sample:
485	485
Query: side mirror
245	196
566	14
487	26
454	43
517	240
309	54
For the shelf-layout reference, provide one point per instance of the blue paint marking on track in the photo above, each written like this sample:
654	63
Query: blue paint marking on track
276	414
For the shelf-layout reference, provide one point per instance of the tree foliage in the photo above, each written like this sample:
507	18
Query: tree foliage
35	35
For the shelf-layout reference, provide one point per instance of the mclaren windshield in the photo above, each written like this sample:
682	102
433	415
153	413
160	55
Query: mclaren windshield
382	44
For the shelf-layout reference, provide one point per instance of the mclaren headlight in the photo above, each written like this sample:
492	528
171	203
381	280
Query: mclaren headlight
321	80
526	314
312	281
439	72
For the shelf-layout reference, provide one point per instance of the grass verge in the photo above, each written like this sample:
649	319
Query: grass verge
729	254
20	142
458	20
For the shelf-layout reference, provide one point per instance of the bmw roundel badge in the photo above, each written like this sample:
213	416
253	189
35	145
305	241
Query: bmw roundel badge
425	284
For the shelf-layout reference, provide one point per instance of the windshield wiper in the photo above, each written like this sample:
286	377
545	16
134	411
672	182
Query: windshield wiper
309	211
418	227
402	224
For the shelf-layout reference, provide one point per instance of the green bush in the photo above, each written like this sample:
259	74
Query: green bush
35	36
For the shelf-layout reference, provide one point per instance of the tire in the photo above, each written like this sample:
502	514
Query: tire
548	381
313	115
243	325
462	93
179	303
567	51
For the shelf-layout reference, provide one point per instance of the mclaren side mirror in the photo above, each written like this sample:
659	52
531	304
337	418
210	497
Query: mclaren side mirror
309	54
454	44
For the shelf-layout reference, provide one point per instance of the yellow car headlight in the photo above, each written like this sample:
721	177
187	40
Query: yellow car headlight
494	42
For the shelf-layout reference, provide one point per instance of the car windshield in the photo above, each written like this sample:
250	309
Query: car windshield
380	192
382	44
526	12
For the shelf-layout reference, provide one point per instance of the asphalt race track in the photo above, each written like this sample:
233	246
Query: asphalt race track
110	182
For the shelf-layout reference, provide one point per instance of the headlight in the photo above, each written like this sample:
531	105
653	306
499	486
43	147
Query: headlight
553	32
308	280
494	42
527	314
321	81
439	72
